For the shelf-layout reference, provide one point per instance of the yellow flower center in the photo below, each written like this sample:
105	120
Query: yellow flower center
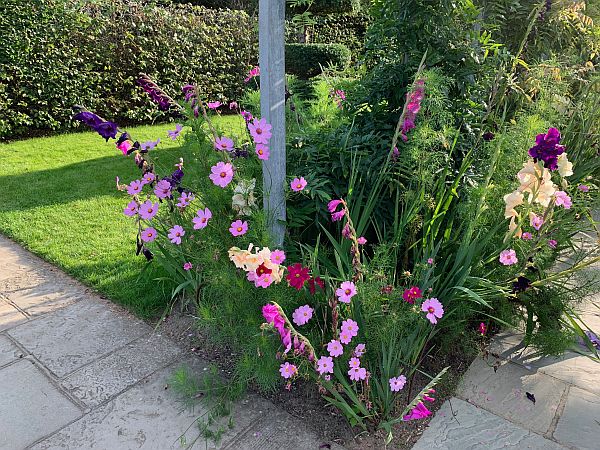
348	291
223	174
431	309
239	228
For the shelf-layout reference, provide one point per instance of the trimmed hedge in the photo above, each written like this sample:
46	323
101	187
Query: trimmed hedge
303	60
57	53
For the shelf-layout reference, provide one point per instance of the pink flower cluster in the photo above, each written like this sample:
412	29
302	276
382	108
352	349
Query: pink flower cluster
260	131
263	267
412	108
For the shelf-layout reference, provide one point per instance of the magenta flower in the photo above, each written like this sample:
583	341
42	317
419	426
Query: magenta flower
583	188
238	228
202	218
187	266
163	189
346	291
345	337
361	240
223	144
397	383
526	236
148	210
338	215
333	204
214	105
561	198
325	365
354	362
302	315
482	328
536	221
277	256
430	261
185	199
262	151
552	243
411	294
247	116
418	412
350	326
131	209
175	234
263	281
254	72
174	134
298	184
508	257
222	174
148	178
359	350
433	308
233	105
148	234
135	187
288	370
125	146
334	348
357	373
260	131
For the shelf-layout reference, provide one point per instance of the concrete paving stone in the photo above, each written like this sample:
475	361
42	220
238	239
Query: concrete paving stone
579	424
10	316
31	407
504	393
107	377
78	334
461	425
8	351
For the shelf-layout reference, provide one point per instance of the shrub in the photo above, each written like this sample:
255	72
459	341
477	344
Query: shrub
334	6
306	60
56	53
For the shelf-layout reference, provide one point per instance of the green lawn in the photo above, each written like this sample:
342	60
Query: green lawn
58	199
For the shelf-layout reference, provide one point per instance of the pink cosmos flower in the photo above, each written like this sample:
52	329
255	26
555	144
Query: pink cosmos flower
185	199
346	291
298	184
552	243
418	412
334	348
397	383
526	236
187	266
213	105
302	315
357	373
163	189
222	174
260	131
263	281
508	257
223	144
262	151
536	221
238	228
254	72
125	146
148	178
202	218
583	188
233	105
412	294
325	365
175	234
148	234
345	337
433	308
354	362
561	198
361	240
333	204
350	326
148	210
135	187
288	370
277	256
131	209
359	350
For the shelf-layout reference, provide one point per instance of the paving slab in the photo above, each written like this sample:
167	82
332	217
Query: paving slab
31	406
9	315
78	334
579	424
504	393
108	376
8	351
461	425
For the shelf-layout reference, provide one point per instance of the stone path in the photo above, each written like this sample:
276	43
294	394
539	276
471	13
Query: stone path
491	410
78	372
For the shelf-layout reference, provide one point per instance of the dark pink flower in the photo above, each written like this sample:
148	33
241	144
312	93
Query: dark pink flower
411	294
418	412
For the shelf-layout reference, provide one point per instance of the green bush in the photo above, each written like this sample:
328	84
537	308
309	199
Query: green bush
334	6
305	60
57	53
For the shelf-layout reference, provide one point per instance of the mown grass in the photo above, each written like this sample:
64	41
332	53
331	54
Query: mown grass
58	199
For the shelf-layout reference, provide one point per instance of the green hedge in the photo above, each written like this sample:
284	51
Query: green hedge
304	60
57	53
334	6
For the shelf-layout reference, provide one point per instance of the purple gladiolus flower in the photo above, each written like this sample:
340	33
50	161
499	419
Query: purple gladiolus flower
547	148
174	134
156	94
